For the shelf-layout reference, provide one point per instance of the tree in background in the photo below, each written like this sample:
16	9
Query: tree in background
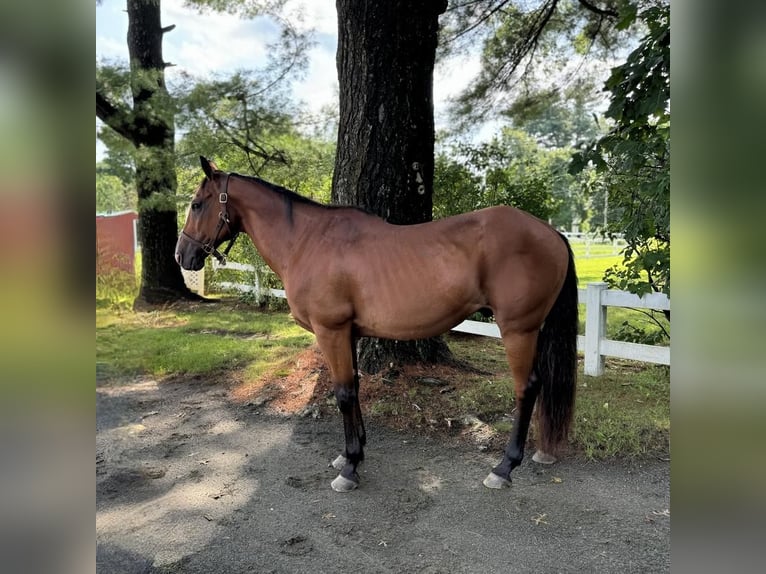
148	124
457	188
249	124
112	193
634	159
385	152
116	173
539	62
136	104
511	169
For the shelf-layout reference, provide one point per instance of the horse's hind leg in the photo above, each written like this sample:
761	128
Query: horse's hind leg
520	349
338	349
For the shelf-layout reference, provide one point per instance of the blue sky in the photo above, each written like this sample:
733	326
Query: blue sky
205	43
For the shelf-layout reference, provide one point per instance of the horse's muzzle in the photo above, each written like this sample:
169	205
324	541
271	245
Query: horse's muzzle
188	256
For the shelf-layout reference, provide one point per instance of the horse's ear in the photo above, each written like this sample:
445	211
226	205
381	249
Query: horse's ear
207	166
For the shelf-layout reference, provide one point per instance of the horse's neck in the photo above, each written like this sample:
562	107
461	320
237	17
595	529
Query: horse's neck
265	219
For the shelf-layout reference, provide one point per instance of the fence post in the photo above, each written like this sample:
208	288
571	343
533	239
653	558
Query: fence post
595	329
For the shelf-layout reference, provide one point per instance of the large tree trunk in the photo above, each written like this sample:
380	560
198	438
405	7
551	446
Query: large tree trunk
385	152
161	278
150	126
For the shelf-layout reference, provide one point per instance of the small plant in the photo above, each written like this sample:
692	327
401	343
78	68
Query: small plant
251	298
116	289
632	333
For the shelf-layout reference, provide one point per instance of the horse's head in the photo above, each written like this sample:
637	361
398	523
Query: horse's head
207	220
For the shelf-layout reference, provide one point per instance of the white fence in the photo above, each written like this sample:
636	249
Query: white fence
617	242
243	287
594	345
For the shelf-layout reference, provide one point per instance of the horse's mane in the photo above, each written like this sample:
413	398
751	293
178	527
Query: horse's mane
293	197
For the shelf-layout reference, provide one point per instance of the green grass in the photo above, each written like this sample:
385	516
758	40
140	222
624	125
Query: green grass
194	340
591	269
626	412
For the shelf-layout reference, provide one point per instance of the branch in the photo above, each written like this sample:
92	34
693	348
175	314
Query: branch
528	45
250	146
653	319
485	16
600	11
119	118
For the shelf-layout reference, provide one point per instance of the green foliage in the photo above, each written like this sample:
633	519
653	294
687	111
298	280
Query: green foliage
112	194
634	158
116	289
237	116
558	118
633	333
456	188
243	8
246	112
512	169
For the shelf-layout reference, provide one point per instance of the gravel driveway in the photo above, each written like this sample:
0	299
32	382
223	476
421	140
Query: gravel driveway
189	481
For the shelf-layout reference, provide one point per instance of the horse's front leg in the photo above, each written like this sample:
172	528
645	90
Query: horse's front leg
338	349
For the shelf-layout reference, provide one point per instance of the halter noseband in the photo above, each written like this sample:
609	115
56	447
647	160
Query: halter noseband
223	219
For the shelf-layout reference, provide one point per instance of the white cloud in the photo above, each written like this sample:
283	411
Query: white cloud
320	15
320	86
211	42
111	32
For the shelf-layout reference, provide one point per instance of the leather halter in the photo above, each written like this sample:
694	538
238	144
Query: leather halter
223	219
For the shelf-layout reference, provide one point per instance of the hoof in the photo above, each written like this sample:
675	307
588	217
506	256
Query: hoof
339	462
494	481
342	484
542	458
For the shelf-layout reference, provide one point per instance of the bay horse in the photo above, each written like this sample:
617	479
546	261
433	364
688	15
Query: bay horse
350	274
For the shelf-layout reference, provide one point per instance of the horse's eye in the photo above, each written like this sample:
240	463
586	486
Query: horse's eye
196	205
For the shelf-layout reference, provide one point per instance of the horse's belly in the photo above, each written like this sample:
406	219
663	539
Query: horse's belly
420	320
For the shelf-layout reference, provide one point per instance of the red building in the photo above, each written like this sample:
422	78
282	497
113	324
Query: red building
116	241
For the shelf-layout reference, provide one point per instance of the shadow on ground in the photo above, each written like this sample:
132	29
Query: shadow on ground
190	481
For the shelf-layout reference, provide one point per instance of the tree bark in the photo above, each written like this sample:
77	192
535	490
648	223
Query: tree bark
385	153
150	126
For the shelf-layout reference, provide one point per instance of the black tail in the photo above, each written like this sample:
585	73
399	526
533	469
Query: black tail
556	364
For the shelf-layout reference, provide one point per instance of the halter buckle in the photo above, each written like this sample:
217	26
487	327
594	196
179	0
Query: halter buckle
223	197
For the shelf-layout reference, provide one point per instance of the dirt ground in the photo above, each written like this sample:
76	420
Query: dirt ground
202	477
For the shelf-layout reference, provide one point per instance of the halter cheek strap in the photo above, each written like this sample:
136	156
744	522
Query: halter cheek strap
223	219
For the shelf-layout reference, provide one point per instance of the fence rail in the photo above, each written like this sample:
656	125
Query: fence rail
594	345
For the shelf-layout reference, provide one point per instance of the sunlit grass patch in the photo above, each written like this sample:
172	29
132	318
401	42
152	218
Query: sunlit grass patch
193	340
624	412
